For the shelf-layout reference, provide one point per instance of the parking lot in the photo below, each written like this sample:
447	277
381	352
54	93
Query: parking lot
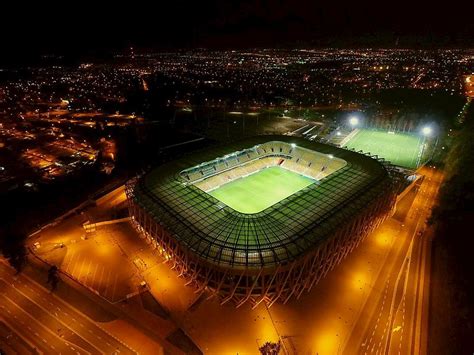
108	260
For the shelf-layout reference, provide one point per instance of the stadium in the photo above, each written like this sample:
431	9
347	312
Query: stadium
262	219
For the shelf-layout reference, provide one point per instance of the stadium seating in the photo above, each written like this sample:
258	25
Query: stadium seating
213	174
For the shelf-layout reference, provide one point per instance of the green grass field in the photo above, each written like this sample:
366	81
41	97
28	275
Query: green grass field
261	190
401	149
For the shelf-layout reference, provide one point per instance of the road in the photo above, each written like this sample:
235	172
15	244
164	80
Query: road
38	320
393	320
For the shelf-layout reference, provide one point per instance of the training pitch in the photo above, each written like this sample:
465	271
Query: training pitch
400	148
258	191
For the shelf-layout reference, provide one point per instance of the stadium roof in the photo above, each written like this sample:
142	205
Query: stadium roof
279	234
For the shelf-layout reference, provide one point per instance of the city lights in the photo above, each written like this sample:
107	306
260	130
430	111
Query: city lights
224	187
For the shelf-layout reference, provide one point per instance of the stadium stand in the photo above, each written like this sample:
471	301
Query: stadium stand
215	173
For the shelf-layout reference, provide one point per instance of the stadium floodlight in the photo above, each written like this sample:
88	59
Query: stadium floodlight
338	133
427	131
293	145
354	121
330	156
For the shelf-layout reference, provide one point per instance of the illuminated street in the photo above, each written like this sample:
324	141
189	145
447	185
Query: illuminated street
394	317
53	325
237	178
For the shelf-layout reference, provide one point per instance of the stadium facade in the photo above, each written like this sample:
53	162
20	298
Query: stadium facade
274	254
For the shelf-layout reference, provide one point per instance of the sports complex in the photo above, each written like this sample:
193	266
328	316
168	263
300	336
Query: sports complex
400	148
262	219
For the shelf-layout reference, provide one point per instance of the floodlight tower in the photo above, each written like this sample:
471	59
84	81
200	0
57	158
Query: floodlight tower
426	131
353	121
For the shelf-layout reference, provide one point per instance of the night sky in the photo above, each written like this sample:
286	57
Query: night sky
90	28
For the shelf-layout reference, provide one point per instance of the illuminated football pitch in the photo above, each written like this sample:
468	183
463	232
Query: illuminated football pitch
256	192
401	149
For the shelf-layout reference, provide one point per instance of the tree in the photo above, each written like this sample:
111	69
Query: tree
12	246
452	282
53	276
270	348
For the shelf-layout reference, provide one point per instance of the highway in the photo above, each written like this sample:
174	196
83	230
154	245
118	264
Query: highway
393	318
38	320
11	343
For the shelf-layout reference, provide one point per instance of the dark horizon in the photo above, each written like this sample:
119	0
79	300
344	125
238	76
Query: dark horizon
93	31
